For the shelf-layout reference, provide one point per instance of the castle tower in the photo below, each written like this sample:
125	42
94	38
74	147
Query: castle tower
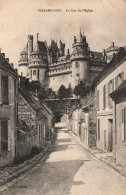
110	52
61	48
79	59
30	45
23	62
38	62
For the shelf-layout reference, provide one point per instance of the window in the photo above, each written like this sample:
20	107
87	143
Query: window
21	73
4	136
31	74
123	128
98	130
110	90
38	73
34	72
4	87
77	64
119	79
78	75
104	97
97	100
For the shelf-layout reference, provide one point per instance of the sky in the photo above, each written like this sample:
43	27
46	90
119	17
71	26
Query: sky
106	23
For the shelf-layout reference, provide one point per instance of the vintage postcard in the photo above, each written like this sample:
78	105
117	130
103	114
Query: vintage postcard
62	97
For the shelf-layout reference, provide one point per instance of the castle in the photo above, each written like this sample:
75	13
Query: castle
51	67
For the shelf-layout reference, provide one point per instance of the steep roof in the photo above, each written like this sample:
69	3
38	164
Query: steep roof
5	64
97	55
34	104
42	46
118	59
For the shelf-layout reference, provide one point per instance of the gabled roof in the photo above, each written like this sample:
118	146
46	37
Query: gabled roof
5	64
117	60
48	110
29	98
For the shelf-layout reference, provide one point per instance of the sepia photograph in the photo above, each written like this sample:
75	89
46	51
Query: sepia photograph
62	97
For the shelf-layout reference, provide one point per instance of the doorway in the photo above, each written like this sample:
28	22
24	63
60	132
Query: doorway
110	135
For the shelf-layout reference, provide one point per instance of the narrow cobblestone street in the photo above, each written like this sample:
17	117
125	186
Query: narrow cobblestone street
68	169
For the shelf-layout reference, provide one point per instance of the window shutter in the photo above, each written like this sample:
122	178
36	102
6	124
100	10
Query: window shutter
11	93
122	76
9	136
108	94
98	130
125	124
97	101
122	125
0	90
112	85
104	96
116	82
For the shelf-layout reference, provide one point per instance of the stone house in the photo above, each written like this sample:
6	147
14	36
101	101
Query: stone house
82	120
8	111
108	81
49	123
119	97
33	122
89	116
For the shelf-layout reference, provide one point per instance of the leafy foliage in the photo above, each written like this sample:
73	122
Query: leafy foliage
82	89
64	92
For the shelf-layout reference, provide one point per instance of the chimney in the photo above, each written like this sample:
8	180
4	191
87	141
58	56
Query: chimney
68	52
75	39
104	53
3	54
16	70
112	44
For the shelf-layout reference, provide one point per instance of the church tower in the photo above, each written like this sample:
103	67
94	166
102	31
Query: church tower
79	59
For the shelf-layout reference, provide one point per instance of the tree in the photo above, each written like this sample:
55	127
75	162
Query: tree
41	93
62	92
82	89
50	93
34	86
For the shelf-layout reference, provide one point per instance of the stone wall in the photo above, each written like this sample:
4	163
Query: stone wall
30	125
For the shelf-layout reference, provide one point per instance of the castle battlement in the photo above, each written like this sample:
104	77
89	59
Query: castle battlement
51	67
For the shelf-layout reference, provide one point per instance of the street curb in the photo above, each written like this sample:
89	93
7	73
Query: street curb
102	160
26	168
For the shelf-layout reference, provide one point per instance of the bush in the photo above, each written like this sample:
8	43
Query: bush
35	150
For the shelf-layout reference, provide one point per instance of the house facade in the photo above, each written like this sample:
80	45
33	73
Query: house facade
82	120
32	125
107	81
119	97
8	111
35	122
